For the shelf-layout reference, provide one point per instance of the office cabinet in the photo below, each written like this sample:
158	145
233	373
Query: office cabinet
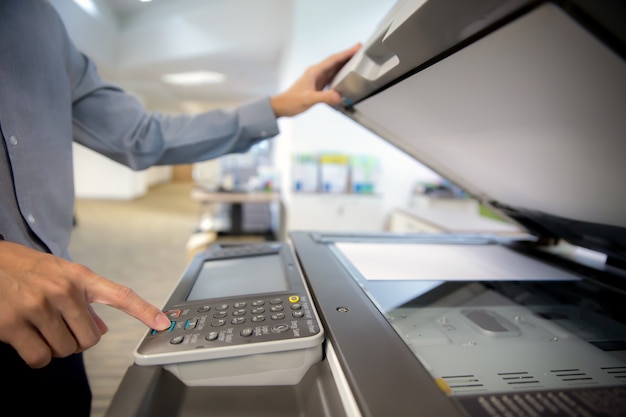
335	212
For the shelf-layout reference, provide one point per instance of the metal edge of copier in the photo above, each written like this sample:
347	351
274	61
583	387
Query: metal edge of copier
382	372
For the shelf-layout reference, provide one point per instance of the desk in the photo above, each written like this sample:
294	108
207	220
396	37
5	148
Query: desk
237	200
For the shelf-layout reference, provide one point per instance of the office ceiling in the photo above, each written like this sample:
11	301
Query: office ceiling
242	39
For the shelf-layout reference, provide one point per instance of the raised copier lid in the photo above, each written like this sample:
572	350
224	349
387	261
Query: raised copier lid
520	103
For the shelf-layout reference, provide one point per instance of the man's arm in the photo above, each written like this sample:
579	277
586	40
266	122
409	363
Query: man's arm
112	122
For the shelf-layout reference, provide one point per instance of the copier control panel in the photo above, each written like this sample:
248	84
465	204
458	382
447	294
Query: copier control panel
231	305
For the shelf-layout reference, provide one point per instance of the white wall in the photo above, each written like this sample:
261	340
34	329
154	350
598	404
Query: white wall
321	28
97	177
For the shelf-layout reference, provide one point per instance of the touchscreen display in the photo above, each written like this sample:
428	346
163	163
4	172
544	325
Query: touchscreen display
239	276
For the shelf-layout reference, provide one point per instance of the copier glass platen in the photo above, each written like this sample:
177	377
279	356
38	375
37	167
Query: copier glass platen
497	323
240	314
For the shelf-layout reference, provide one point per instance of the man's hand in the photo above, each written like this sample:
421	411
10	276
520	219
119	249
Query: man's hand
45	305
309	90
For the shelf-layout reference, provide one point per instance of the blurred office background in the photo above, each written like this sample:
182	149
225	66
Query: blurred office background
259	47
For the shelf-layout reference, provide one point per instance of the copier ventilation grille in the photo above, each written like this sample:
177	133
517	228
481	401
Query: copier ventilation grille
525	380
573	376
463	383
617	372
515	379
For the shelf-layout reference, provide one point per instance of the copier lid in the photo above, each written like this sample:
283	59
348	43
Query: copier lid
520	103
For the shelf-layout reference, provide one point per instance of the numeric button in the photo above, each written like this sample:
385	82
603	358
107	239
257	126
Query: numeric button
191	324
258	318
278	316
177	340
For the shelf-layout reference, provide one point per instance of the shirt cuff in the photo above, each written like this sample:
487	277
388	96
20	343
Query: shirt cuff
259	119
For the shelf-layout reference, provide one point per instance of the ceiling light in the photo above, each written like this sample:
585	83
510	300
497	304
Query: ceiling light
193	78
88	6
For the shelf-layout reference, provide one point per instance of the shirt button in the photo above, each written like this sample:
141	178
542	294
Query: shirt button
30	218
12	140
263	133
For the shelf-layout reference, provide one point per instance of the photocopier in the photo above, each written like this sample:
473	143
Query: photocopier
520	103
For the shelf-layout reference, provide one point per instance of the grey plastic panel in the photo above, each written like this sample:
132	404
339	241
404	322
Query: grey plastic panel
530	116
151	391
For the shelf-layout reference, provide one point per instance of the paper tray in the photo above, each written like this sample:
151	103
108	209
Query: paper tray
151	391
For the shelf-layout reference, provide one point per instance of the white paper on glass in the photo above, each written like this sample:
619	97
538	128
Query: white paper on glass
448	262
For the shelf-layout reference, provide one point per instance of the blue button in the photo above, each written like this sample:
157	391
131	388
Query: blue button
163	331
191	323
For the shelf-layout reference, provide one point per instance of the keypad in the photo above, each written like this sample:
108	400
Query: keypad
199	327
223	321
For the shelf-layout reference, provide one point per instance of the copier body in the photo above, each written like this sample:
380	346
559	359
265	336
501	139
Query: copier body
522	104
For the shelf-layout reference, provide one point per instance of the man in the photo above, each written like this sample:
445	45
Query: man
50	93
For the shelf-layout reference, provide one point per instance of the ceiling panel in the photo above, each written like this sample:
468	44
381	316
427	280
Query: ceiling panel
243	39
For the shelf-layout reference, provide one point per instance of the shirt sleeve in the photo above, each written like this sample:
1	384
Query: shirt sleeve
113	122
